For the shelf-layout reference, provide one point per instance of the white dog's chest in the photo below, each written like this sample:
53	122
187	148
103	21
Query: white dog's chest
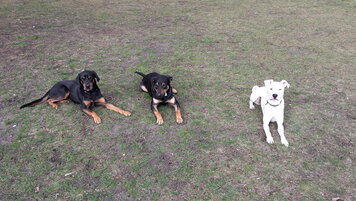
270	97
272	113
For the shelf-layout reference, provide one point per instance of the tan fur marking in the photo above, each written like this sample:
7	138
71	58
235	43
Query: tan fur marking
156	101
164	91
66	96
87	103
171	101
93	115
174	90
58	100
158	117
101	100
112	107
50	102
143	88
179	118
117	109
63	101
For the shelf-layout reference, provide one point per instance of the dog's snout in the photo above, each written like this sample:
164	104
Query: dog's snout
274	96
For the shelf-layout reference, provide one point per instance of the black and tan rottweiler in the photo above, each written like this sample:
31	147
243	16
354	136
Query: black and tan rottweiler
83	90
159	88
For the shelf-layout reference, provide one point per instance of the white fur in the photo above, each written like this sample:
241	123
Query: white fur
272	108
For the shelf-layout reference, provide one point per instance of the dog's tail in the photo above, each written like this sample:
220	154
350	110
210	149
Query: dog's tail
36	102
143	75
254	88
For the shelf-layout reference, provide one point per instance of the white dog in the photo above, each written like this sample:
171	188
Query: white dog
270	97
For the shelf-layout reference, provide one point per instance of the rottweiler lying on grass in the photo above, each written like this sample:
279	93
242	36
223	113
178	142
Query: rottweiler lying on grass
83	90
159	88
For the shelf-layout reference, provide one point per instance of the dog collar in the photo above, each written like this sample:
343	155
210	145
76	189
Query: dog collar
274	105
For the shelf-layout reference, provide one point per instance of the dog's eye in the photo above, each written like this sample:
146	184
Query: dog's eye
270	88
89	77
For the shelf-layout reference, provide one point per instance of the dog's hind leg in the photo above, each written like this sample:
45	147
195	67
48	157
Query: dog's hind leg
254	99
251	105
63	101
174	91
143	87
52	101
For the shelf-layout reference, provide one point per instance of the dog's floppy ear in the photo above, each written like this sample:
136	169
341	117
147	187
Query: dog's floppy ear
96	76
153	80
78	78
268	82
285	83
170	77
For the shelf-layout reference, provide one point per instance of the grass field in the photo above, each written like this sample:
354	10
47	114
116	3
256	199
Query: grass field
216	50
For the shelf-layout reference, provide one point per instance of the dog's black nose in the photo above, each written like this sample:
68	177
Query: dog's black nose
274	96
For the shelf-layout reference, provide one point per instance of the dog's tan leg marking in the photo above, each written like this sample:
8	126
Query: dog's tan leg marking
179	118
63	101
93	115
51	103
87	103
143	88
158	117
112	107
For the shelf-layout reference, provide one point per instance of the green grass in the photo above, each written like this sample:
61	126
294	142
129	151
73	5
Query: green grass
215	51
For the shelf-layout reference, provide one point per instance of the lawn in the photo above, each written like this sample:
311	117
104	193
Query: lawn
216	50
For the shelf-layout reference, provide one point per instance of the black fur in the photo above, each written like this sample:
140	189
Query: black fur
84	88
155	84
36	102
159	88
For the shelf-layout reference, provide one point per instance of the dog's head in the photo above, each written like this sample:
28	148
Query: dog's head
161	86
275	90
87	79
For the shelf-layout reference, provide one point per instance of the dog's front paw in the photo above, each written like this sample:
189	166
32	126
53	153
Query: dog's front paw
179	120
97	120
269	140
285	142
159	121
252	107
126	113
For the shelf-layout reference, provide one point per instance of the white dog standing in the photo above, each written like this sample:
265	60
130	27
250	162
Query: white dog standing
270	97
